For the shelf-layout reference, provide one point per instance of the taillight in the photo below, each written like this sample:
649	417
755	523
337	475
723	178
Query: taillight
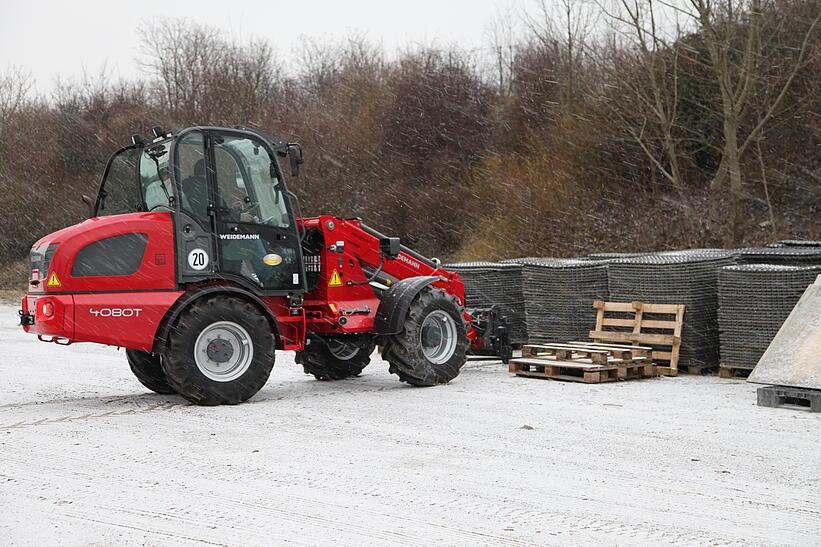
47	310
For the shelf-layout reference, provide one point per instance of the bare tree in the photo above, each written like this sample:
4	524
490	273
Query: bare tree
732	34
648	69
179	54
15	85
504	36
566	25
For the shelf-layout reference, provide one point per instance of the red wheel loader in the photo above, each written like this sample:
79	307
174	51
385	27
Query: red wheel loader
195	261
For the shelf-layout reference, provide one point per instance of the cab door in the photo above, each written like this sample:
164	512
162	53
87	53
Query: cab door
255	234
196	248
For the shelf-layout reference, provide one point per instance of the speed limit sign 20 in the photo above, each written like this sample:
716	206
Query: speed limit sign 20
198	259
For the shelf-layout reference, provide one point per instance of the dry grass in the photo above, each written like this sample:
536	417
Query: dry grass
13	278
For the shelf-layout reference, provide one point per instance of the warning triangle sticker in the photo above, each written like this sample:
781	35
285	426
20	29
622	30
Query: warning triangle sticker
53	281
336	279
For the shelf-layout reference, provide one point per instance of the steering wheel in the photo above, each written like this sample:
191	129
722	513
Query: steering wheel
158	205
272	217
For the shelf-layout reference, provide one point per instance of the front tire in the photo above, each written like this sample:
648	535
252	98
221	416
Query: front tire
148	370
220	351
336	357
432	346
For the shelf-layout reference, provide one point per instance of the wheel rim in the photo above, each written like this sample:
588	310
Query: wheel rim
223	351
341	350
438	337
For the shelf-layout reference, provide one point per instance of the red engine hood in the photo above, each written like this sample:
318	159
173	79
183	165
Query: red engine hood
156	269
96	223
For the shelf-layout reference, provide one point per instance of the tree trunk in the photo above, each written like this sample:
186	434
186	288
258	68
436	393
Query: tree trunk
732	162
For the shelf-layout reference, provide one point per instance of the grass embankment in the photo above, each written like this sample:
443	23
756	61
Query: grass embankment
13	276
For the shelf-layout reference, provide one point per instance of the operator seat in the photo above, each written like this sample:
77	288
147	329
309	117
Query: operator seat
195	191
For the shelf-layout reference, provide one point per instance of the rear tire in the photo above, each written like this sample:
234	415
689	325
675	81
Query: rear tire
220	351
337	357
432	346
148	370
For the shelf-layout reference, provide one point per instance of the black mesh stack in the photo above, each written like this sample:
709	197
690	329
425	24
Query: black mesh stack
797	243
489	283
612	256
559	296
754	300
786	255
678	277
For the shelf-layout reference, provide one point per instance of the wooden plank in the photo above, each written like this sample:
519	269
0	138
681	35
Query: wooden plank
677	333
552	362
671	309
614	306
568	378
614	346
620	351
615	322
641	338
565	347
656	324
564	352
637	371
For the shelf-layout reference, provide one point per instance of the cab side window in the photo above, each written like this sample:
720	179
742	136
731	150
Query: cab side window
121	188
190	175
248	184
234	201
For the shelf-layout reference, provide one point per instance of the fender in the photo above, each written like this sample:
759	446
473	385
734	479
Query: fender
396	302
188	298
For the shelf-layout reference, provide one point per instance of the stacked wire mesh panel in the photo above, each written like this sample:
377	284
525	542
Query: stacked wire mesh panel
612	256
754	301
796	243
788	255
559	295
688	277
495	283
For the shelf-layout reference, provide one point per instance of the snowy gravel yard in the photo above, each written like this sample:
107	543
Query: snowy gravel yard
87	455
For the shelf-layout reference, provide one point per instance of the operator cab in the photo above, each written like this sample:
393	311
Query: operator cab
225	190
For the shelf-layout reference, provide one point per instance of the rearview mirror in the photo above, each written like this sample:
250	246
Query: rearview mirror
295	158
90	202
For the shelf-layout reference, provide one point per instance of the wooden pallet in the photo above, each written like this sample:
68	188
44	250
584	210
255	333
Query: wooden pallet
775	396
632	331
729	370
587	362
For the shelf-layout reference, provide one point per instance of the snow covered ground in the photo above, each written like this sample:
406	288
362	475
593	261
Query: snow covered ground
87	455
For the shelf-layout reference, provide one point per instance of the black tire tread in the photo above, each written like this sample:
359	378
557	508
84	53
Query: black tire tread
181	371
148	370
402	350
316	359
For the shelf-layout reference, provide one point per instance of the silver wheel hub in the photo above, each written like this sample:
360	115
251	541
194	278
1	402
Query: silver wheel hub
438	337
223	351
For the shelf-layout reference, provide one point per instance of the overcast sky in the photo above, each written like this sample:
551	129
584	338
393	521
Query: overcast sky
49	37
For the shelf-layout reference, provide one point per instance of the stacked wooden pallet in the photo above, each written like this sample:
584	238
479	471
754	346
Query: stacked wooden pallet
586	362
657	326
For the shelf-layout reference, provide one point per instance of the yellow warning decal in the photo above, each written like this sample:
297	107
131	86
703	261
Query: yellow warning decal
53	281
336	279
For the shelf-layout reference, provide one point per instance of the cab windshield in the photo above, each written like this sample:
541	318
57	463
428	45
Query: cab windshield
137	179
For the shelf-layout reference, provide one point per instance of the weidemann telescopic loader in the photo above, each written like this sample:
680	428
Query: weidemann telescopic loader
194	260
